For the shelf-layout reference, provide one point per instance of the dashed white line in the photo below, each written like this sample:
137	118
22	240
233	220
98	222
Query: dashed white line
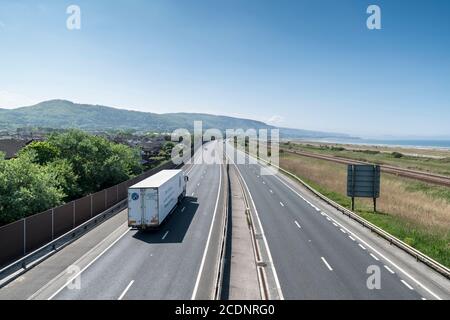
389	269
407	284
88	265
281	204
326	263
362	247
343	231
383	256
335	224
353	239
323	213
298	225
126	290
374	256
328	218
165	235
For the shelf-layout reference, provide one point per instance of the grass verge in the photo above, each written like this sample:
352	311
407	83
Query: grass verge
432	241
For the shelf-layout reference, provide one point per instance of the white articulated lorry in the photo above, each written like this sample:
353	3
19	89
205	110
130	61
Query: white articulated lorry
154	198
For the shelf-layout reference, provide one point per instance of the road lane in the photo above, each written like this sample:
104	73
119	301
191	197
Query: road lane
297	253
162	264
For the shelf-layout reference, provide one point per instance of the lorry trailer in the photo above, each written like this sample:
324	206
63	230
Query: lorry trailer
154	198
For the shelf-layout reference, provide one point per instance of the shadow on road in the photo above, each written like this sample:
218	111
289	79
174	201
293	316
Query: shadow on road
177	224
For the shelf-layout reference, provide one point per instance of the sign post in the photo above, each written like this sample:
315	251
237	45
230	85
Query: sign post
363	181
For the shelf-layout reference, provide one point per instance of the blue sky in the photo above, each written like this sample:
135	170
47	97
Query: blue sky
301	64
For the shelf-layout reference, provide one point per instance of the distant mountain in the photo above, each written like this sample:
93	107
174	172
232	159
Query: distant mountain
62	114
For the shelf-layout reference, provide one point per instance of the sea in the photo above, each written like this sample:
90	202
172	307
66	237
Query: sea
420	144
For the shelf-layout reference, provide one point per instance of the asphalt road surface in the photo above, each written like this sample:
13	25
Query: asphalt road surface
314	256
162	264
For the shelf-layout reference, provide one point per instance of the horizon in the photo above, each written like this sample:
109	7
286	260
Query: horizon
342	139
302	65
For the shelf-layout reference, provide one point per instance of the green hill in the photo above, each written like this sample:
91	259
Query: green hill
62	114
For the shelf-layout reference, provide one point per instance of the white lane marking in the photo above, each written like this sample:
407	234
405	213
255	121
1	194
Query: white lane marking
372	248
374	256
277	281
126	289
326	263
342	230
88	265
389	269
407	284
328	218
353	239
335	224
317	209
281	204
362	247
298	225
323	213
165	235
197	282
182	209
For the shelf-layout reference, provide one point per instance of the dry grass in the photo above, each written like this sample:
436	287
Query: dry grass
416	208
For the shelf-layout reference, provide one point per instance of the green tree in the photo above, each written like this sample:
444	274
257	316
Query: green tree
96	162
43	151
26	188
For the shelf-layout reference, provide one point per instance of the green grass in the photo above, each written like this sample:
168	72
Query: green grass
434	191
434	244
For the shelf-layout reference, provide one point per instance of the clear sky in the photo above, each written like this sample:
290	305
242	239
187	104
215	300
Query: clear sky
302	64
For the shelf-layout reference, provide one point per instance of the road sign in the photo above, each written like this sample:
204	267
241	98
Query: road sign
363	181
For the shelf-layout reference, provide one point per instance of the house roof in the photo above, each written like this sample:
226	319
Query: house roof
11	146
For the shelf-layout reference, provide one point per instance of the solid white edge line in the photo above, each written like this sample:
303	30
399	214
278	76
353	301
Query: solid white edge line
373	249
326	263
126	290
197	282
277	281
88	265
